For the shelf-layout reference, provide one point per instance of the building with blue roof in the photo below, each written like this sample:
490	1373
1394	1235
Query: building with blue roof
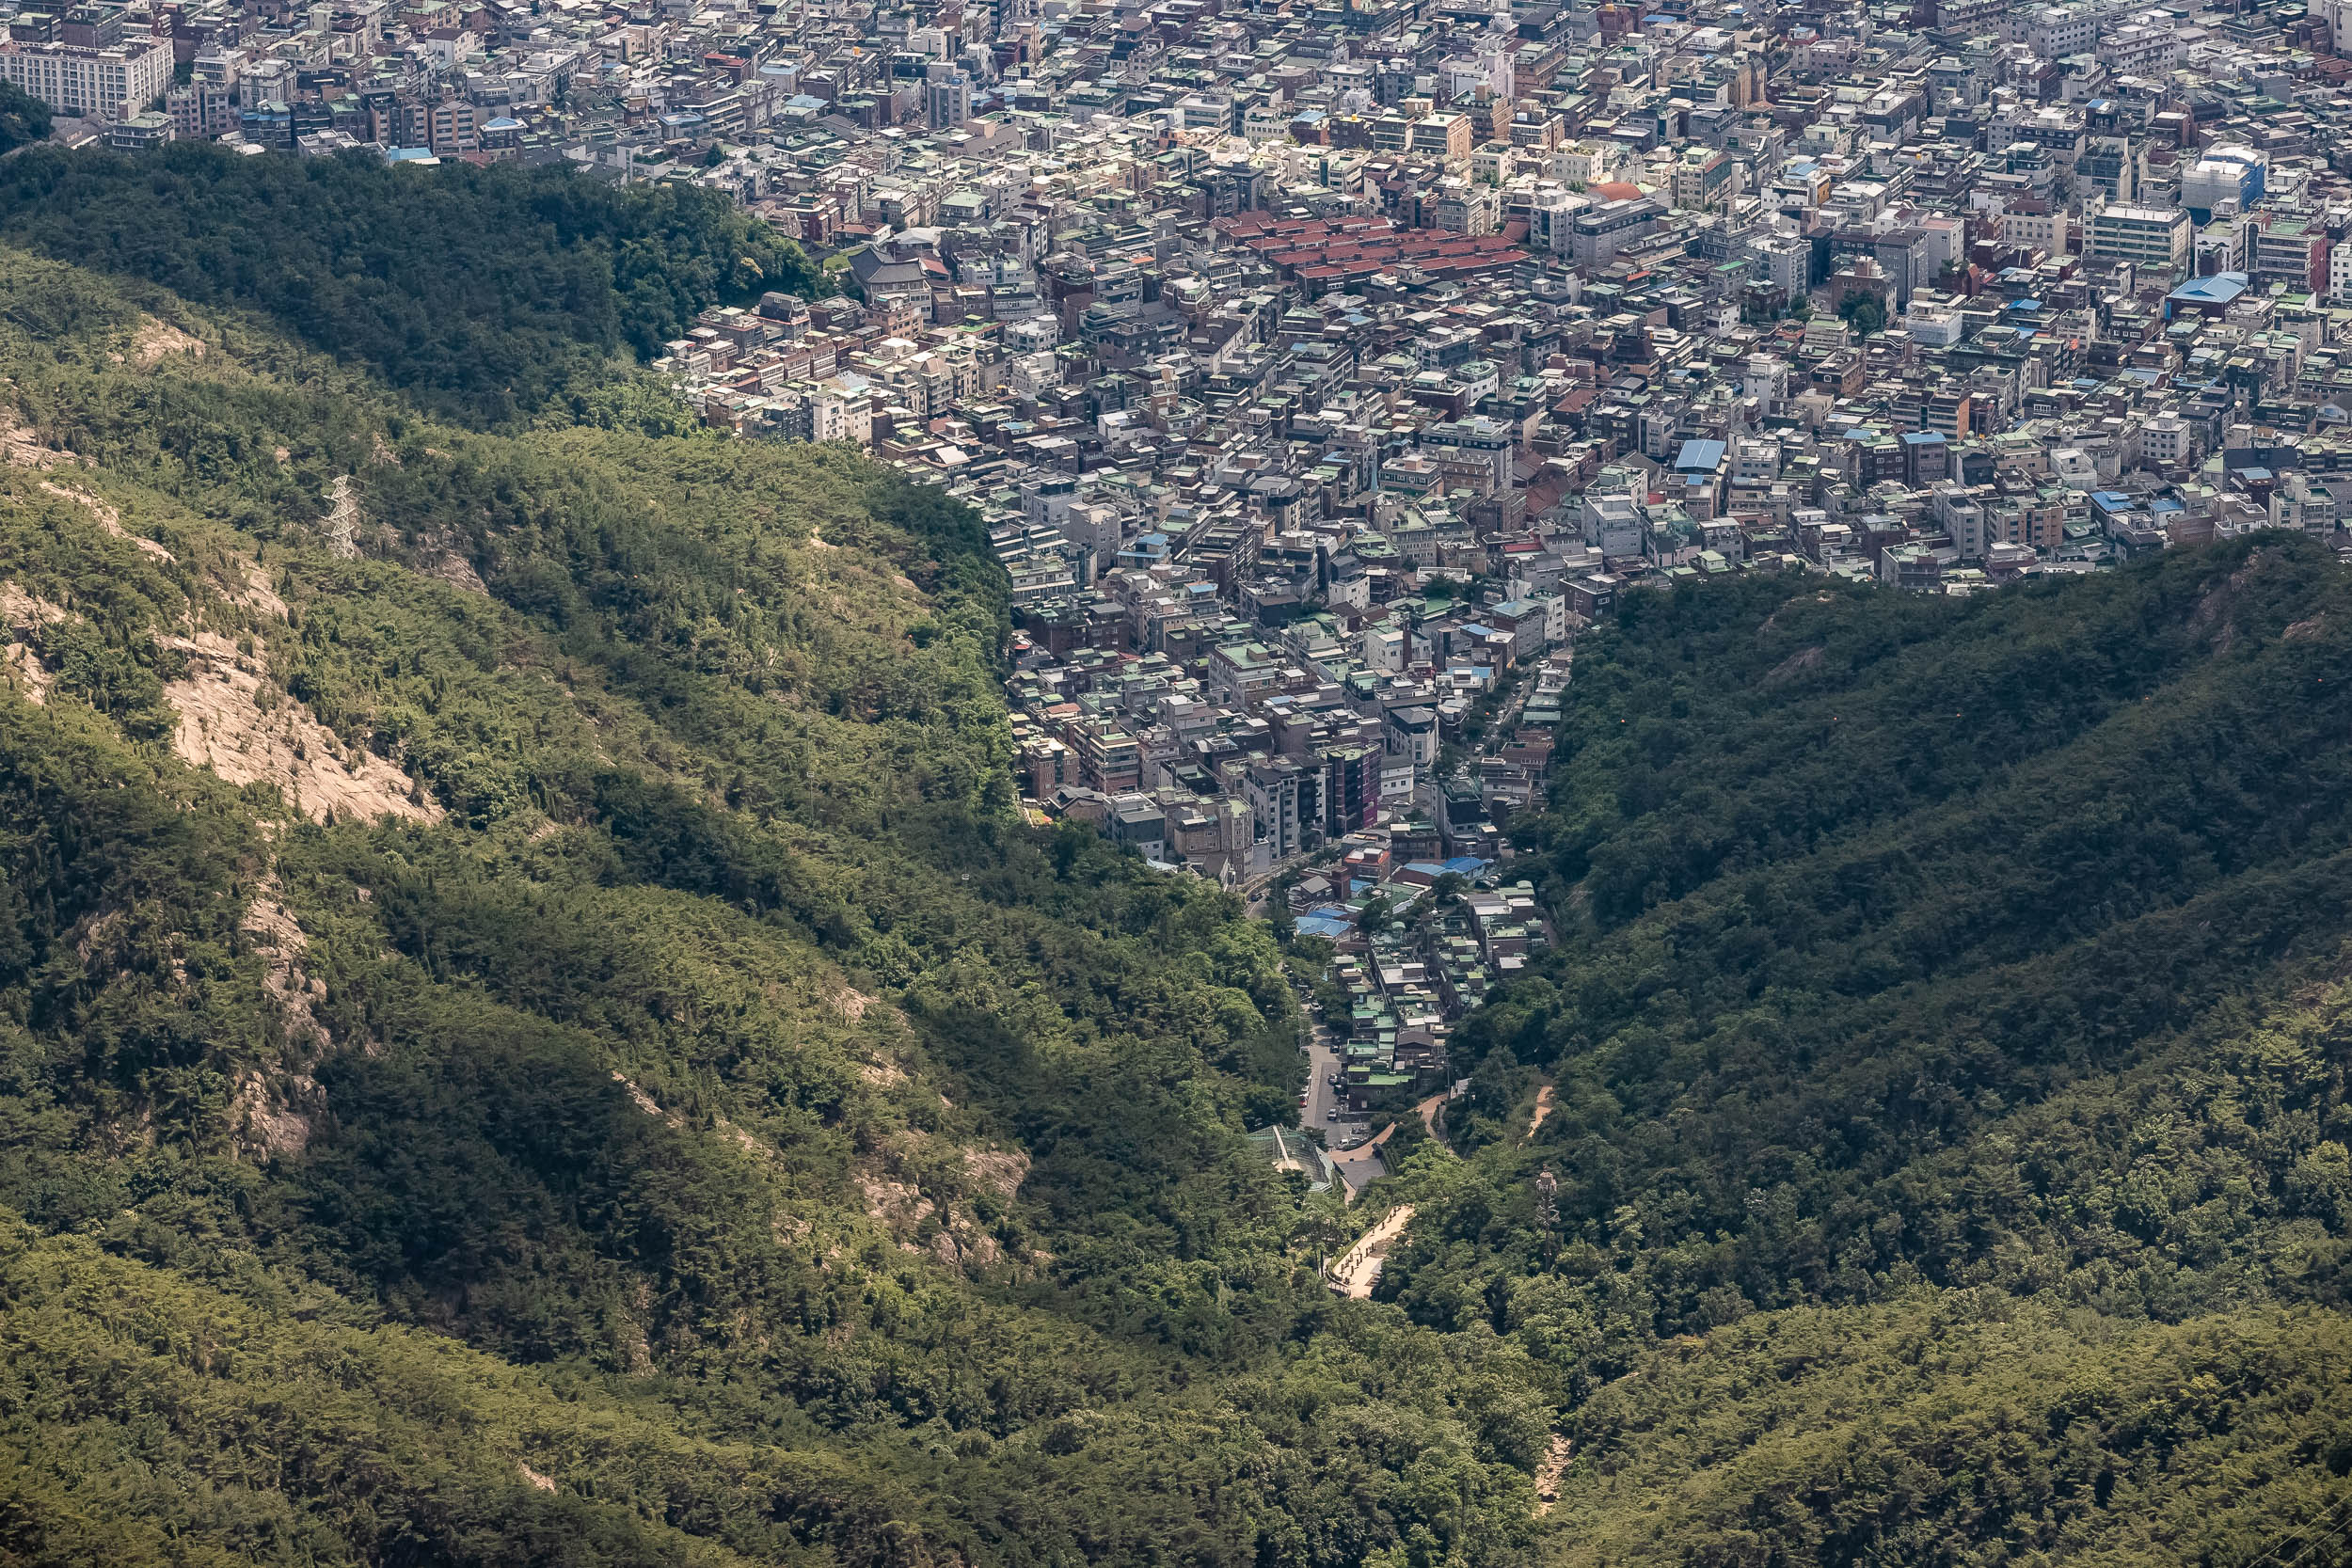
1699	456
2207	296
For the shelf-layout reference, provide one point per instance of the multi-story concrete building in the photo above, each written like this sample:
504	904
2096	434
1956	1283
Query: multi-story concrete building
111	75
2154	239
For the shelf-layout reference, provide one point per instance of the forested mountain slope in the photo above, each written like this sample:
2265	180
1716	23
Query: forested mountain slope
491	293
528	1032
1947	1047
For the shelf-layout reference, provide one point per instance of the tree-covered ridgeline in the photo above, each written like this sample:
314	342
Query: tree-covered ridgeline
1933	974
486	294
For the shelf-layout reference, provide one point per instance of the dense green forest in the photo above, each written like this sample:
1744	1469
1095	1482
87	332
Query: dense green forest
23	118
485	295
530	1031
592	1021
1946	1058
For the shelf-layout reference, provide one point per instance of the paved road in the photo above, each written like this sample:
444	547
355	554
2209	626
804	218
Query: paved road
1429	1109
1358	1168
1321	1061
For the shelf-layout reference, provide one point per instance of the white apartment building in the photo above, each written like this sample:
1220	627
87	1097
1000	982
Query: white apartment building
2153	239
2300	504
2141	50
2166	439
1585	162
2234	173
839	413
2054	32
1551	212
2340	271
89	84
1755	460
2044	231
1934	325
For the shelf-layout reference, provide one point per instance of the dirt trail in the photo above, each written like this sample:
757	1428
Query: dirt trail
1543	1109
1360	1271
1428	1110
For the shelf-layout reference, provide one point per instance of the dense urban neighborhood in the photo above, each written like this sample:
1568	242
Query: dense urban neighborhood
1239	317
